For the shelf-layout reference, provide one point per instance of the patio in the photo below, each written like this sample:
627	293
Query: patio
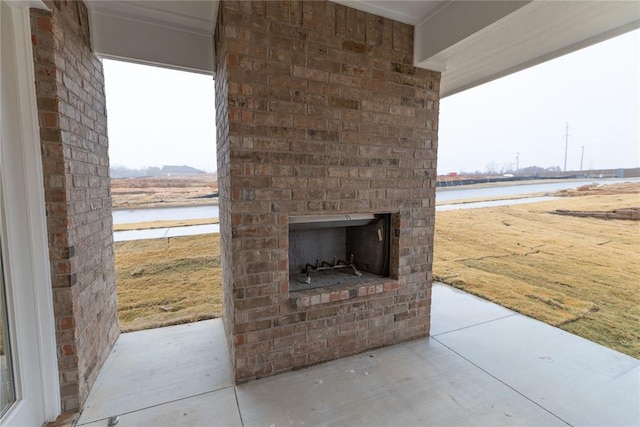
482	365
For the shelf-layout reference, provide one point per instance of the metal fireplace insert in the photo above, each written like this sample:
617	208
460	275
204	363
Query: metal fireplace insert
327	250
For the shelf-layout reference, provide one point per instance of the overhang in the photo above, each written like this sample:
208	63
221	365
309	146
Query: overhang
506	37
168	33
469	42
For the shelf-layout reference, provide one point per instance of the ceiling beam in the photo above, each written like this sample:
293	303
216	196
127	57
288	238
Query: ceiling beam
531	34
176	35
454	22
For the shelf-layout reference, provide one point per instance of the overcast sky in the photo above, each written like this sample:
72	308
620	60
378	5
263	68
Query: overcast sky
595	90
158	117
162	117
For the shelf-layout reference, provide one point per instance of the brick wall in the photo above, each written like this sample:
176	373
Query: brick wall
73	132
319	110
224	193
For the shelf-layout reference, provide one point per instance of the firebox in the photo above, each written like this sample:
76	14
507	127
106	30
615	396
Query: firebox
327	250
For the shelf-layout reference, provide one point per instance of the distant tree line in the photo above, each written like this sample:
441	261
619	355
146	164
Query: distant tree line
125	172
535	170
494	168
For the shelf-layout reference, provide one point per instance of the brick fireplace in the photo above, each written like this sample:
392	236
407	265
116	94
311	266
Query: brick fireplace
327	140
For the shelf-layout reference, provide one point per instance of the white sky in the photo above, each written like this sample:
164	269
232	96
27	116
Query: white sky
157	117
162	117
595	90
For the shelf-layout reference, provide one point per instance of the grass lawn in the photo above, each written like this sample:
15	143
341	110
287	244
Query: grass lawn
580	274
170	281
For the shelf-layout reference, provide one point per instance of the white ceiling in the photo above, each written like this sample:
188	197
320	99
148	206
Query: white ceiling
189	15
470	42
168	33
409	12
530	35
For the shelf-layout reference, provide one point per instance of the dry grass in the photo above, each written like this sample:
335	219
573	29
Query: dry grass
581	274
164	224
165	282
490	199
600	189
163	191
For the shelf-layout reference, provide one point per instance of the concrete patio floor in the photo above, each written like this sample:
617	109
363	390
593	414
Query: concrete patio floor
483	365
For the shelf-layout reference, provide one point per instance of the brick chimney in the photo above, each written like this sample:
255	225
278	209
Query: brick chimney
320	112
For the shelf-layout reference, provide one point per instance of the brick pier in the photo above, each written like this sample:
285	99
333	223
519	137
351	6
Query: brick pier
73	131
320	111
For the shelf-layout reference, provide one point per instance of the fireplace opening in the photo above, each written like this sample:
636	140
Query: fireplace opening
328	250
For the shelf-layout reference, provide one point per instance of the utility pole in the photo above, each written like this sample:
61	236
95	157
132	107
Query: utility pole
581	158
517	162
566	146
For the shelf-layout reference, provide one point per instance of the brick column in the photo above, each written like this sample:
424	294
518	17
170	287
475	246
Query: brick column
224	190
73	131
320	110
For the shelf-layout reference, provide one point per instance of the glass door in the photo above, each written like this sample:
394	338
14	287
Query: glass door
7	385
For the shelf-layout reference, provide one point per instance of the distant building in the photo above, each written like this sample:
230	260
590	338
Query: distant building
180	171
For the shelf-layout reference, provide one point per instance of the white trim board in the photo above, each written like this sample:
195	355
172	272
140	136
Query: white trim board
25	234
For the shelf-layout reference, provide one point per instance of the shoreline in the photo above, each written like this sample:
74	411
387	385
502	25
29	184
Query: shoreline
522	183
161	205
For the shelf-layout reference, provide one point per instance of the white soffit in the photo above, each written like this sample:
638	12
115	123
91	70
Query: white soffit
473	42
531	34
470	42
172	34
408	12
36	4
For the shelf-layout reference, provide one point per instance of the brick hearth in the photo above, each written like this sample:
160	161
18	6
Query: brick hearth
320	111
